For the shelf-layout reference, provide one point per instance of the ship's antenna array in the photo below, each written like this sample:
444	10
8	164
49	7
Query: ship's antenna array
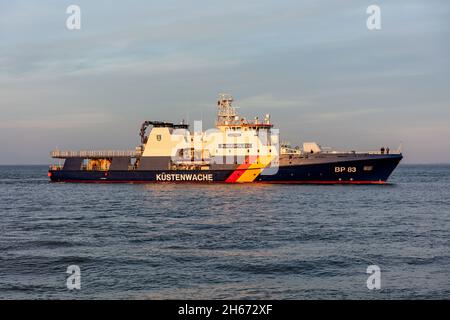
227	113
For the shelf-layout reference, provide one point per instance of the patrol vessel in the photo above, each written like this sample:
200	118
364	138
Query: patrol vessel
236	151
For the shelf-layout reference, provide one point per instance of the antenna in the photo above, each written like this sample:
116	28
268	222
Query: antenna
227	113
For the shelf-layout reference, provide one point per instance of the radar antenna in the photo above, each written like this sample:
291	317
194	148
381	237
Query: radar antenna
227	113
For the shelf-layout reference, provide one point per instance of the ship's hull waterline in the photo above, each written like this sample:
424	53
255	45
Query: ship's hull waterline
373	169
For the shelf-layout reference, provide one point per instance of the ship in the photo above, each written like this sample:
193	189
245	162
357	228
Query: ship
236	150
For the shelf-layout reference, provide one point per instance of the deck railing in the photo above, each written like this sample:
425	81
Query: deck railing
95	153
362	152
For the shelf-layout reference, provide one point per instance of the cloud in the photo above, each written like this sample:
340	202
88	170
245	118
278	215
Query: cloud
312	65
267	101
62	121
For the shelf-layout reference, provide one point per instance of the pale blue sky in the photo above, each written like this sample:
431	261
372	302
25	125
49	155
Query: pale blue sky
312	65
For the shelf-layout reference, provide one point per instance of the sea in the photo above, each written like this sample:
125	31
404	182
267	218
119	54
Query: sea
237	241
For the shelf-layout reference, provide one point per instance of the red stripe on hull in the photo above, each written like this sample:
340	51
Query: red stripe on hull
323	182
239	170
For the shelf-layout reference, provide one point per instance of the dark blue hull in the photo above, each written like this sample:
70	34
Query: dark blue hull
329	169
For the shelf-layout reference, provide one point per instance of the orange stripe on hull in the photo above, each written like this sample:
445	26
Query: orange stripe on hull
239	171
235	175
251	169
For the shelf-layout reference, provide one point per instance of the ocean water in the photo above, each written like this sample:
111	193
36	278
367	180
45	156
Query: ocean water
169	241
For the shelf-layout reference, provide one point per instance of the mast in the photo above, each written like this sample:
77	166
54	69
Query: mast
227	114
228	117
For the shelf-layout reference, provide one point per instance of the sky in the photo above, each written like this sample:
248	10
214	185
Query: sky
313	65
